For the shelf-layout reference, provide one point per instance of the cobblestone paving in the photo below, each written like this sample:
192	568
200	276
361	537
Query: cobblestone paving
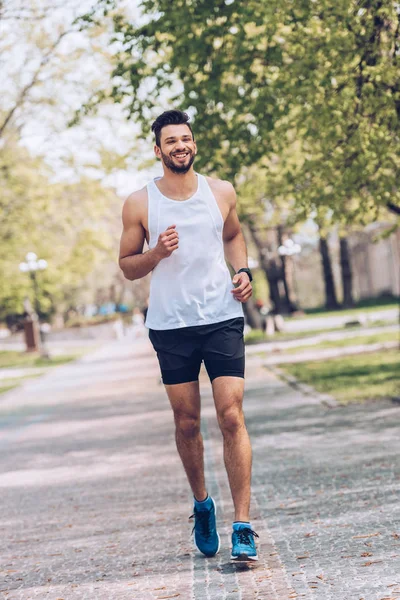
94	501
327	482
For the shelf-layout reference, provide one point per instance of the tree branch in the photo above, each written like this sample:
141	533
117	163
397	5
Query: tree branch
32	83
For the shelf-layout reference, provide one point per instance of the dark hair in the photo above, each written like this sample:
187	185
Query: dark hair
170	117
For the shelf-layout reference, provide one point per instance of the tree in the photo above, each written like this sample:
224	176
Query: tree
52	200
331	302
346	272
269	211
69	225
41	87
258	73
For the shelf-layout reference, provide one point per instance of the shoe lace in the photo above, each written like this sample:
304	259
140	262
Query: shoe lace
202	520
246	535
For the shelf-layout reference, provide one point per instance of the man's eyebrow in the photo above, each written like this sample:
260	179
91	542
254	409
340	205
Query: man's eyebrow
173	137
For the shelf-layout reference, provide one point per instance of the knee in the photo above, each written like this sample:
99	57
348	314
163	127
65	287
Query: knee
187	426
231	420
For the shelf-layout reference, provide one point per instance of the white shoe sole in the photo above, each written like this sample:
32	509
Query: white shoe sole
219	539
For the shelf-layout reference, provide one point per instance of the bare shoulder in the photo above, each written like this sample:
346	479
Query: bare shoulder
223	190
135	207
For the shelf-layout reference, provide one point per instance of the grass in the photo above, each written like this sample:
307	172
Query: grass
353	378
7	387
256	336
7	384
376	338
365	306
11	358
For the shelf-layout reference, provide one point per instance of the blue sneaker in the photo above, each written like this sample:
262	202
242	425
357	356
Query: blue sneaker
205	529
243	544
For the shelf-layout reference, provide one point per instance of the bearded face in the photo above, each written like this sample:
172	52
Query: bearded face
177	148
179	162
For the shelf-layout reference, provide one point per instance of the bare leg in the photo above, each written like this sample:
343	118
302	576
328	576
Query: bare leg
228	398
185	402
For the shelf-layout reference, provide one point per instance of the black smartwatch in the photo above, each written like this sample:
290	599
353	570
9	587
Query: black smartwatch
245	270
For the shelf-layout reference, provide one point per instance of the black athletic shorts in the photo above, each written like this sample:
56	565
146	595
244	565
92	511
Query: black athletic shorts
181	351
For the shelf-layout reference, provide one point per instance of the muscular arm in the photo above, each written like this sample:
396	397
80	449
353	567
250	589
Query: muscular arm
135	263
235	247
234	243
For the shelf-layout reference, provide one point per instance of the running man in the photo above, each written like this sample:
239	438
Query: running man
195	314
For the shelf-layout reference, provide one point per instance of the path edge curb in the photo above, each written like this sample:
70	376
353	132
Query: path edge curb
305	389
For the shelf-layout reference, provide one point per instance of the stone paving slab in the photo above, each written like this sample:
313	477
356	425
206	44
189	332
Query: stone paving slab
94	501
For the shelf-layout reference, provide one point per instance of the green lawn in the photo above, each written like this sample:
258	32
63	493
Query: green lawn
352	378
11	358
5	387
358	338
256	336
366	306
8	383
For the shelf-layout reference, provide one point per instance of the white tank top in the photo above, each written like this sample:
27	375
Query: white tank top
193	285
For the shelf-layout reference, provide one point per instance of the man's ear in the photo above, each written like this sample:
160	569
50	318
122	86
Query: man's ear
157	151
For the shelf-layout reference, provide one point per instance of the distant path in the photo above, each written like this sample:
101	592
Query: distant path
339	320
316	338
324	353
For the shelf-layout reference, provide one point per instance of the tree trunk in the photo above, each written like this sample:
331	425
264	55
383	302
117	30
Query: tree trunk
330	291
347	275
267	257
287	275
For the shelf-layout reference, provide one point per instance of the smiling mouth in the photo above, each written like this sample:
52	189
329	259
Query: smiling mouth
181	155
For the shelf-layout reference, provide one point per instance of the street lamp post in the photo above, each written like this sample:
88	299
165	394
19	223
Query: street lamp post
31	265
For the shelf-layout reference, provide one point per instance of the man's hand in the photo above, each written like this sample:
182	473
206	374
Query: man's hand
243	289
168	241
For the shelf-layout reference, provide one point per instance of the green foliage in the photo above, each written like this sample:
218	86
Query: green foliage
68	225
308	91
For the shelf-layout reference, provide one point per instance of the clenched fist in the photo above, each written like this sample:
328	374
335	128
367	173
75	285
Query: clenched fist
168	241
243	289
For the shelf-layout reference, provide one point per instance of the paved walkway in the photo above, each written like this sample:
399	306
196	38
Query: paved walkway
273	345
94	502
324	353
340	319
